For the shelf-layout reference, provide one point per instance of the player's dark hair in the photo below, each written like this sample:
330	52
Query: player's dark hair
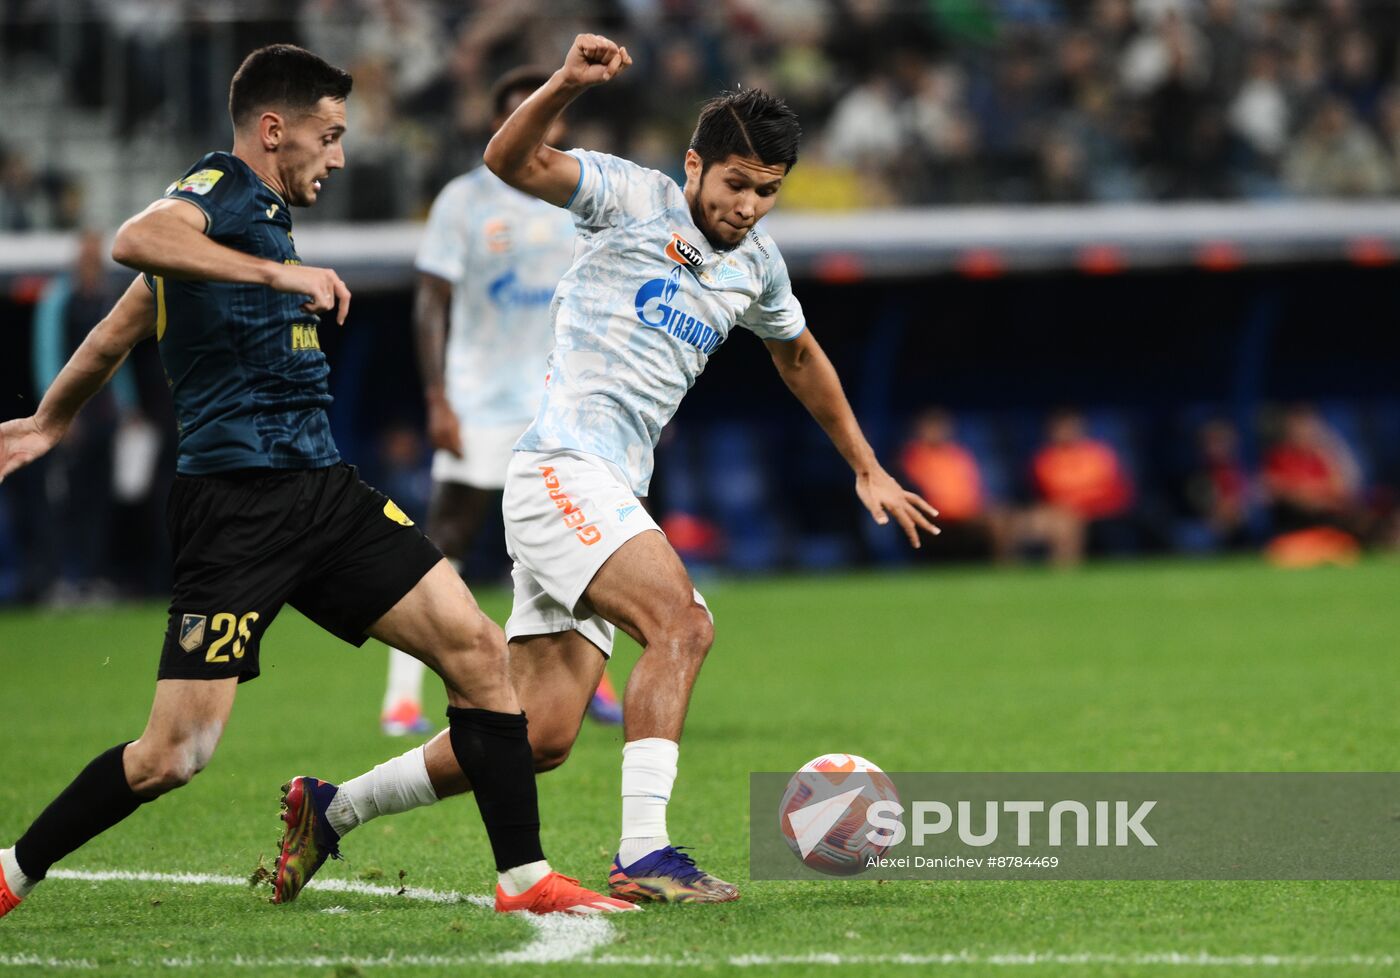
748	123
518	81
283	76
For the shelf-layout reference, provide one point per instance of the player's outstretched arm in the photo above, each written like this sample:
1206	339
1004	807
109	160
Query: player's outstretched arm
518	154
808	373
168	238
131	320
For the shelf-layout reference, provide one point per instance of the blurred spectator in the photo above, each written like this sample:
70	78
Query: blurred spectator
1010	106
1355	78
407	37
1081	489
1226	41
1260	114
377	182
19	192
902	101
1062	177
1388	122
1218	491
31	200
1337	157
945	473
1078	473
865	130
1312	478
144	33
78	473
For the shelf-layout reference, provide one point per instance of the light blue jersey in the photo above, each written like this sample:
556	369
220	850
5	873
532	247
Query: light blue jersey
503	252
637	316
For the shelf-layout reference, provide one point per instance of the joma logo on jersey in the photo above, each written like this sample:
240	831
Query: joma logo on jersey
654	308
588	533
682	252
305	337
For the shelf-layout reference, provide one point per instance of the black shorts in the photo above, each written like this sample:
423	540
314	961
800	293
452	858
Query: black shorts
246	543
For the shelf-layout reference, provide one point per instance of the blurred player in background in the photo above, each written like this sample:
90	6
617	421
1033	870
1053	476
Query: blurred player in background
488	265
78	482
662	275
265	513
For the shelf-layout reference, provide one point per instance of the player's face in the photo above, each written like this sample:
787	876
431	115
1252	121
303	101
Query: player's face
310	150
729	197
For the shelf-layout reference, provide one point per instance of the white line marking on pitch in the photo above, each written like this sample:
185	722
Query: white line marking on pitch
559	938
952	960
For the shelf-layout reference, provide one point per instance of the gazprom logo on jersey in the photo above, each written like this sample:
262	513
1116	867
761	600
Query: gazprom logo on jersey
656	308
508	292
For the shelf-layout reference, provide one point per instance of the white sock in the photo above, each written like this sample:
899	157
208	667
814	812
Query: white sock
405	680
648	775
19	884
518	879
400	784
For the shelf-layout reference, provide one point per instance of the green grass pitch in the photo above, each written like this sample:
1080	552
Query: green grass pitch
1160	666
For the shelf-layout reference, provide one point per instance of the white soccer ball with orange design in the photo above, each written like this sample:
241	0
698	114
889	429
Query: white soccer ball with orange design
823	812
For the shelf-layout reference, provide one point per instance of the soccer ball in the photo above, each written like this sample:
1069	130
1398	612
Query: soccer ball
824	823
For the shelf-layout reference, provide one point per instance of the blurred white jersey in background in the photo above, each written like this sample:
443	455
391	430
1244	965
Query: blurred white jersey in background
503	252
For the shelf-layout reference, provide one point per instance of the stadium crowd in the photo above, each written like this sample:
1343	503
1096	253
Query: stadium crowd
1308	499
903	101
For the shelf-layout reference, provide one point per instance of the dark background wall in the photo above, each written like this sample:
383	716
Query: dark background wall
1149	356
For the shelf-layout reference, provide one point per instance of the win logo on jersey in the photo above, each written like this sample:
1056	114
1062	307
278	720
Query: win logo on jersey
656	308
682	252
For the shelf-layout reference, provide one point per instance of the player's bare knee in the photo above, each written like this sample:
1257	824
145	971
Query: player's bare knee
699	630
157	770
483	638
476	645
689	633
551	749
161	771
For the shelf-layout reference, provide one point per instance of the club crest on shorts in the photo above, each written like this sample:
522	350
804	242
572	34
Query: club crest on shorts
392	511
192	632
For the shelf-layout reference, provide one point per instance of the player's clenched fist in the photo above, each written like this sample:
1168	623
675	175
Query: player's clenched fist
593	60
322	287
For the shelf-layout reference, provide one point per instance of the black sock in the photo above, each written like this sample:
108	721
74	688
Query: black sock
495	755
97	799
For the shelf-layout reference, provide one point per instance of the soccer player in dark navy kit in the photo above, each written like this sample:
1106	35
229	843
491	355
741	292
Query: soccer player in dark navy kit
264	512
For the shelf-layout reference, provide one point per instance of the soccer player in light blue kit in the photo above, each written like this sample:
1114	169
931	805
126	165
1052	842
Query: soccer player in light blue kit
660	278
488	264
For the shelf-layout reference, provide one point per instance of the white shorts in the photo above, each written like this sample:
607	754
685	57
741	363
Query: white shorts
485	455
566	513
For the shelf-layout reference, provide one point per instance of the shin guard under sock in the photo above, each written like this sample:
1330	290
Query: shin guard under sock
98	798
493	750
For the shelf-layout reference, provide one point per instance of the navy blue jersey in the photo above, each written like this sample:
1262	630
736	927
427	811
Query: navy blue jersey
244	362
